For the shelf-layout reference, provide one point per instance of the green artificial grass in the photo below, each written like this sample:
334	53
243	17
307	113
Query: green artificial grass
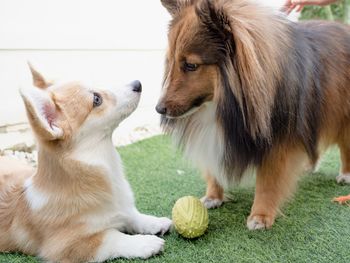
313	229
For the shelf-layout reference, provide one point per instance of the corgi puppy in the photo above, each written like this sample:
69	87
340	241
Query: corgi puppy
77	205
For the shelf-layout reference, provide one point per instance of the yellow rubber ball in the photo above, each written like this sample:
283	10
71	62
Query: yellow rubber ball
190	217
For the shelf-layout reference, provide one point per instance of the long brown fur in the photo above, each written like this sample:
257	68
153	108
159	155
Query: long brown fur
280	92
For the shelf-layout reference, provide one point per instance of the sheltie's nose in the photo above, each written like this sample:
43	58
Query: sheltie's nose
161	109
136	86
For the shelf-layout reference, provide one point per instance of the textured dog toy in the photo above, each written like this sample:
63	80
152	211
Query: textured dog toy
190	217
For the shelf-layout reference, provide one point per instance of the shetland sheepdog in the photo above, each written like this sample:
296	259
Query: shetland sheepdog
77	205
244	88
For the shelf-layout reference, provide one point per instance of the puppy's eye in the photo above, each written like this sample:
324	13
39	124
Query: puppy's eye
97	100
190	67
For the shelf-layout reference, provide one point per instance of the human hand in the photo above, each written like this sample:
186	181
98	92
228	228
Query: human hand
298	5
289	6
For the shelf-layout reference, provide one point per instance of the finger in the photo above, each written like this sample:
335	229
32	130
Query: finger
290	9
286	4
299	8
287	8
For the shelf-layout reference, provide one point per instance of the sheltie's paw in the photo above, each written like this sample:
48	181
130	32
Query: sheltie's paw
211	203
145	246
156	225
257	222
343	178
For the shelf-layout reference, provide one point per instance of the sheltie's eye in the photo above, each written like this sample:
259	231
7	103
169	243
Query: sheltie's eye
97	100
190	67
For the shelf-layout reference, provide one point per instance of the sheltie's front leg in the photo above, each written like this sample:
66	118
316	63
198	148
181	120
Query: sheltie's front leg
344	146
215	193
275	182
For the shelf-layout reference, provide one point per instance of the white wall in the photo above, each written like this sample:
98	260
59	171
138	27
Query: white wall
107	42
85	24
82	24
102	41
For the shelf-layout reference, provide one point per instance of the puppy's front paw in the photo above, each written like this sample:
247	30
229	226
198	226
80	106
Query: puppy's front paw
211	203
343	178
256	222
145	246
155	225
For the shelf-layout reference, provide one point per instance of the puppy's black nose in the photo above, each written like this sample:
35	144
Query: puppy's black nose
136	86
161	109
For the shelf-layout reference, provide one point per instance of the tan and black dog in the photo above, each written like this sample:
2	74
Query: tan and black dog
246	88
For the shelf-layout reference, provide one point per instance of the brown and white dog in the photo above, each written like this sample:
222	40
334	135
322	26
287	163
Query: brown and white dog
77	205
246	88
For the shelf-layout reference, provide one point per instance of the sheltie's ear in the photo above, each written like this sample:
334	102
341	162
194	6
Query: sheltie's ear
257	39
174	6
42	113
214	18
171	5
38	80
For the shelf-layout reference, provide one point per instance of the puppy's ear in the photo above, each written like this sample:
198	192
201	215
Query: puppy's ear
38	80
42	113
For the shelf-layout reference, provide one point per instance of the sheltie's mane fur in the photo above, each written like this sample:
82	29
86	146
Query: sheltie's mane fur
279	83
